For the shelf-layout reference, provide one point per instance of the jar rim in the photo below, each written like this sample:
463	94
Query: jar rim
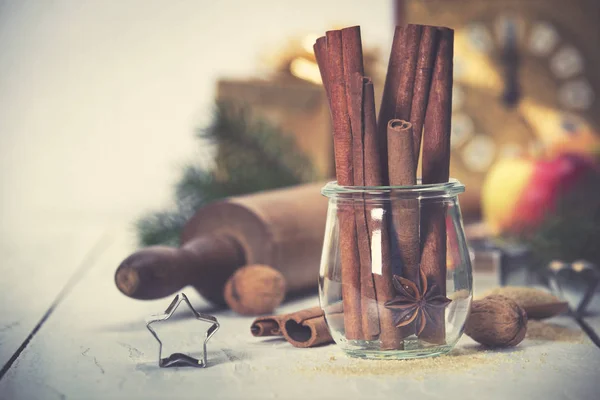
447	189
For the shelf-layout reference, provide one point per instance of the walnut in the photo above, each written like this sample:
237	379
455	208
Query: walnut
497	321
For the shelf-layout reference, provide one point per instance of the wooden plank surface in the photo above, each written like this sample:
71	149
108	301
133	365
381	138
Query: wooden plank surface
38	258
96	346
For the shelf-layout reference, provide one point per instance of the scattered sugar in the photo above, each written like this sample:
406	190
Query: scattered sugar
538	330
458	360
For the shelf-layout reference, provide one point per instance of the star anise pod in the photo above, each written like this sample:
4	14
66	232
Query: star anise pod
412	304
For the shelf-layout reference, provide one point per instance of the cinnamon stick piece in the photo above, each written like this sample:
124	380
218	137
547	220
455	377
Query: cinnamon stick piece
436	167
436	138
305	328
408	65
422	85
377	224
266	326
388	103
402	172
405	213
320	49
352	53
403	35
342	134
369	313
342	143
353	80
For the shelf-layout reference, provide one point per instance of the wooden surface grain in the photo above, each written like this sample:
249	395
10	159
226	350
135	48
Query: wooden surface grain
95	345
37	264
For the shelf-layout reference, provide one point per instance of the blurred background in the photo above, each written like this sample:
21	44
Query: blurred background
99	100
140	112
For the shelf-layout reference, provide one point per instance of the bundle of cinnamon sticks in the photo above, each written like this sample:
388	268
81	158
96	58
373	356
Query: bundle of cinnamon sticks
381	151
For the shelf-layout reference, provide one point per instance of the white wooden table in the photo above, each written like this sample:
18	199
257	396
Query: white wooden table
93	343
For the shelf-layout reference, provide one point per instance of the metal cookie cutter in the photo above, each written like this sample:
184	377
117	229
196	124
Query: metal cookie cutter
591	276
179	359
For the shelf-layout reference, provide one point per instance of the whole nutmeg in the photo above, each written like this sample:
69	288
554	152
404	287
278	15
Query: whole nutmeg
255	290
496	321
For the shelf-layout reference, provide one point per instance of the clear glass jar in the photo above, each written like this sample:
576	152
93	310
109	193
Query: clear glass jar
395	279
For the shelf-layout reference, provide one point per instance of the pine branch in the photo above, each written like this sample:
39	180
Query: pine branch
246	141
252	155
161	227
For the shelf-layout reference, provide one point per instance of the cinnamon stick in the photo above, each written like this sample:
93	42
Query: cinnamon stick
436	167
320	49
266	326
342	134
377	226
304	328
408	66
342	142
422	85
372	160
405	213
370	317
353	71
436	138
403	36
352	53
387	107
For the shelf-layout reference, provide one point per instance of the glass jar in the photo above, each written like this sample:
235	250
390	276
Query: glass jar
395	278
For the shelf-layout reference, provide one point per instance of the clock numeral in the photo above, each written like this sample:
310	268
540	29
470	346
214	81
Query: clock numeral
577	95
509	29
543	39
567	62
479	153
462	130
480	37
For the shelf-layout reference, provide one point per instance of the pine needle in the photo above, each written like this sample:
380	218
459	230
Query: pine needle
252	155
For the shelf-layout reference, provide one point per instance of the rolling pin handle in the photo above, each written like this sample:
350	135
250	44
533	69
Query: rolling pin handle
160	271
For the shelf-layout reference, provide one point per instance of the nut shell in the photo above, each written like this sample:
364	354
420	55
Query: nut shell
255	290
497	321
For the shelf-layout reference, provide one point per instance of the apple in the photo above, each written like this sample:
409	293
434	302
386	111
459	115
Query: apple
519	193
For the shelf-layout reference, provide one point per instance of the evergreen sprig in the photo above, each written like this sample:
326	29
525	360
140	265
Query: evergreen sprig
251	155
246	141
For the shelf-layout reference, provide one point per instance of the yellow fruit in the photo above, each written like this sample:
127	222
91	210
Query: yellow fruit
501	190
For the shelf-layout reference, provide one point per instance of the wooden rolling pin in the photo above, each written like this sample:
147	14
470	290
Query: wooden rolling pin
282	228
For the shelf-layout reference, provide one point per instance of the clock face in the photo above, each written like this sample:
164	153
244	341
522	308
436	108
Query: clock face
519	85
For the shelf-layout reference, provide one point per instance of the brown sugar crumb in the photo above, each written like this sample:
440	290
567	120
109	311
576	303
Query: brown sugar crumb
538	330
456	361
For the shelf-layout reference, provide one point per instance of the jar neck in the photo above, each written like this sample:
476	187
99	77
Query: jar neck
441	191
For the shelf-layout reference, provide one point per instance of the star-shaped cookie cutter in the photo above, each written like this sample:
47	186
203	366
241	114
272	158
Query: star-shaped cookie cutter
180	359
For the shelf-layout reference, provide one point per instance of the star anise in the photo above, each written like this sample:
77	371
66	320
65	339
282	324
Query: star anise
412	304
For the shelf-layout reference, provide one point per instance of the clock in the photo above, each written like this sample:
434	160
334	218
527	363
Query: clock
526	78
